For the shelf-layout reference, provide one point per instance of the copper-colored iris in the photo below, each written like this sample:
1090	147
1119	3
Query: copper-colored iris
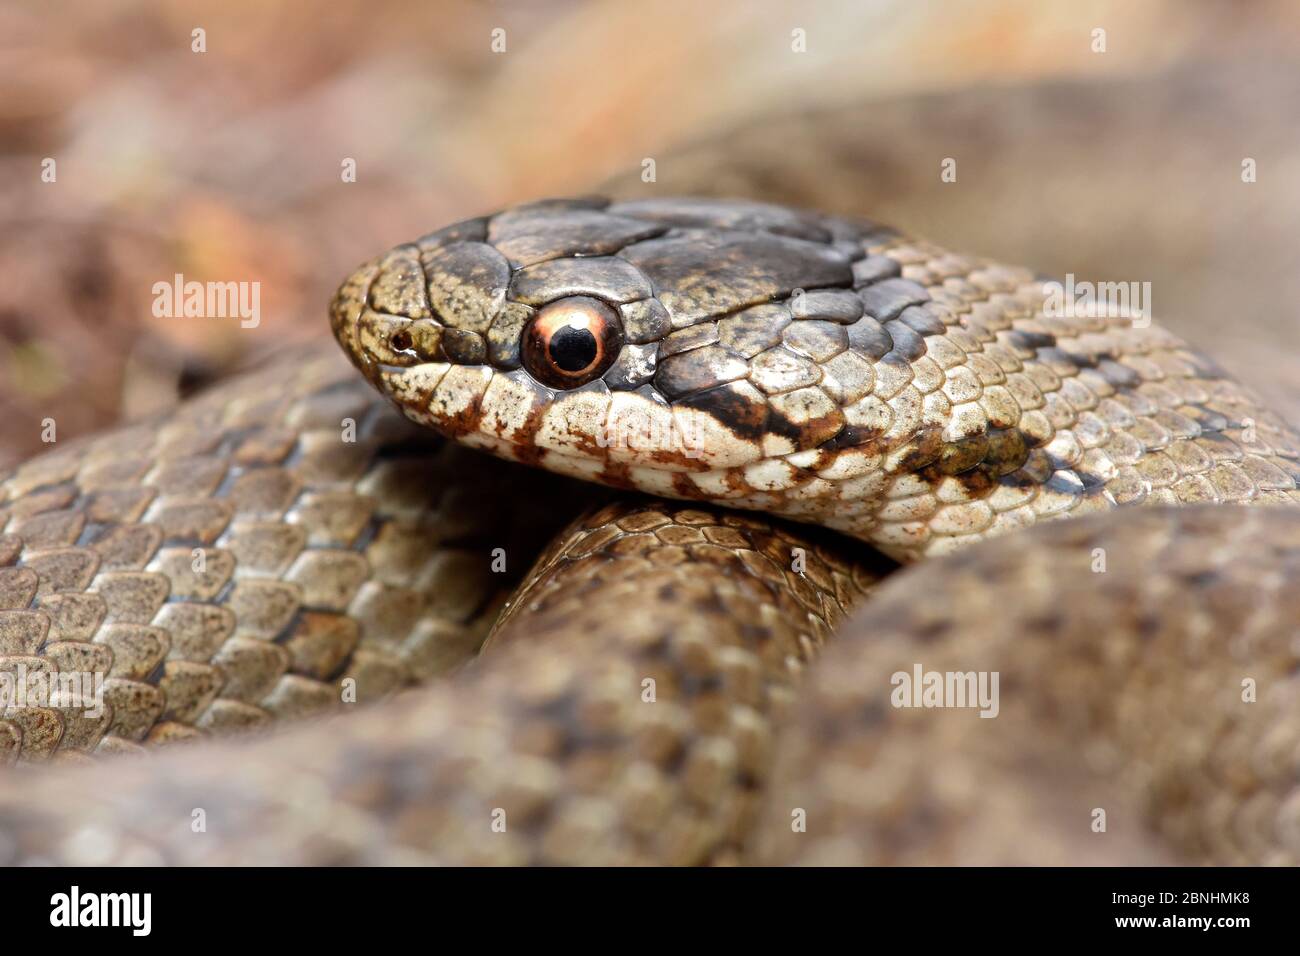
572	341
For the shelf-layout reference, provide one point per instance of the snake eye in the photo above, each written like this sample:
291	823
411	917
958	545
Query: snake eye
572	341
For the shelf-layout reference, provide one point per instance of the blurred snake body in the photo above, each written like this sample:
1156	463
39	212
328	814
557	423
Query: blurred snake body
653	687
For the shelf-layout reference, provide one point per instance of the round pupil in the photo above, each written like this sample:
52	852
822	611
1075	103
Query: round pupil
572	350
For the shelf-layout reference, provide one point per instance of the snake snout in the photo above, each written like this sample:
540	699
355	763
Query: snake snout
380	315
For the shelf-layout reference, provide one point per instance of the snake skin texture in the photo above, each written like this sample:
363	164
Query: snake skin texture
654	690
278	544
555	750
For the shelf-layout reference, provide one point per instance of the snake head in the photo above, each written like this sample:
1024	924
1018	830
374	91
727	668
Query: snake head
612	340
730	351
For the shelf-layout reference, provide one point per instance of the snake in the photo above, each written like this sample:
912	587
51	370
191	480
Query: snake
610	535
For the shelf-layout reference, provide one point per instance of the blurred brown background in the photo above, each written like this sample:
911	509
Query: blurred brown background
225	165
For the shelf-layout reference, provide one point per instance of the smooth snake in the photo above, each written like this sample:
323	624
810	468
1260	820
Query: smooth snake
643	696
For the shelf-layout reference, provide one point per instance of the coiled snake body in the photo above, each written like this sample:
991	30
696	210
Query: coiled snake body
286	541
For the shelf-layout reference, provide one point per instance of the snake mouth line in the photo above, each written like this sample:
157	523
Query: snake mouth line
590	428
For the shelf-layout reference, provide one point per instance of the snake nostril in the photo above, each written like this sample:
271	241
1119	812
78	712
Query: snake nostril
401	341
